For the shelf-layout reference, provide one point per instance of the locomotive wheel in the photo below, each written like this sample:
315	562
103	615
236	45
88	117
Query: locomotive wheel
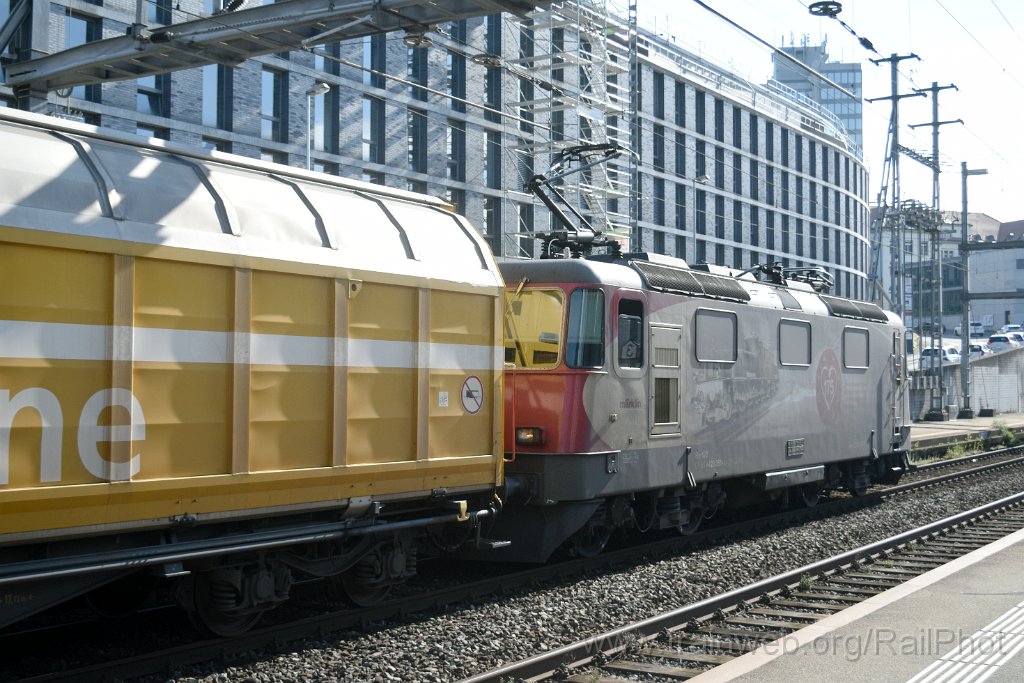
360	593
592	540
810	494
691	526
210	619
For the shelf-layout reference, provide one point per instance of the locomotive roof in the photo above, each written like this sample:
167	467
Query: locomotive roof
661	273
60	178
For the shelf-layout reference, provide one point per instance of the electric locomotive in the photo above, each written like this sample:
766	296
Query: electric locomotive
644	393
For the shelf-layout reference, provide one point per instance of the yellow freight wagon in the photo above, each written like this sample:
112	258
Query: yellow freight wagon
228	372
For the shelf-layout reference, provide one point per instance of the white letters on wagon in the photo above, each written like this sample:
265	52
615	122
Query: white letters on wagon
90	432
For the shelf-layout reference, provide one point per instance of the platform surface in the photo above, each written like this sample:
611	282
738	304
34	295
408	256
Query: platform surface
963	621
948	429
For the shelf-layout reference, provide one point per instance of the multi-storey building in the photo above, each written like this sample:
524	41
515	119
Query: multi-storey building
725	171
847	75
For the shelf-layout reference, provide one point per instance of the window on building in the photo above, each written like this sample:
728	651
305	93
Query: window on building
659	206
217	96
755	226
699	107
658	100
680	207
680	154
701	159
658	155
273	105
719	217
680	103
755	147
737	221
769	140
492	160
456	67
455	144
416	66
151	94
701	213
81	29
492	77
374	60
158	12
680	247
737	127
754	179
373	130
719	120
719	168
417	140
737	174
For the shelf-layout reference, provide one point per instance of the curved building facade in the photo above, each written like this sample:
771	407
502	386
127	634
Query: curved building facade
726	171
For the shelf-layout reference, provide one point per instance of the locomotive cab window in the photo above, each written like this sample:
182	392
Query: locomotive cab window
533	327
715	336
795	342
584	341
855	348
631	333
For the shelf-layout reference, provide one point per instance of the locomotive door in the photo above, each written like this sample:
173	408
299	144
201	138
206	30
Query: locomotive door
898	376
665	377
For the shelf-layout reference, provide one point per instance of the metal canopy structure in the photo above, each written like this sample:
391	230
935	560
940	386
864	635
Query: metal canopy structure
232	37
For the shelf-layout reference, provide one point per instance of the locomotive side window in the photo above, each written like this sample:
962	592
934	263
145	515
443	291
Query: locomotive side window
631	333
584	344
795	342
855	348
533	328
715	333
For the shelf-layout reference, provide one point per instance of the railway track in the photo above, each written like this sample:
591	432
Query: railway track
692	640
183	652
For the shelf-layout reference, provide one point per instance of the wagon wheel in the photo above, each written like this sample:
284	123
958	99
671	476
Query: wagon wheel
361	593
810	494
691	526
210	616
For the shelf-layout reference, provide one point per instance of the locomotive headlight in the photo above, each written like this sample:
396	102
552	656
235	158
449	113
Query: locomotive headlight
529	436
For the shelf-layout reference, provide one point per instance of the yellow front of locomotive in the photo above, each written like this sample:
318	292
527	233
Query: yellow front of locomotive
187	341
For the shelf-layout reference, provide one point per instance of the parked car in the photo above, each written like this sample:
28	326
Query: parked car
979	350
1010	327
945	354
1002	342
975	329
1017	337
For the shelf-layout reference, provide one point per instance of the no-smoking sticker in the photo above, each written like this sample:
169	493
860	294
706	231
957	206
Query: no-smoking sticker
472	395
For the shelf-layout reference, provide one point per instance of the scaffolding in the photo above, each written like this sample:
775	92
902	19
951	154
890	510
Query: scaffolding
574	65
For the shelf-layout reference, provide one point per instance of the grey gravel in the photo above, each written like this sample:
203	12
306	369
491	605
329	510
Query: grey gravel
475	638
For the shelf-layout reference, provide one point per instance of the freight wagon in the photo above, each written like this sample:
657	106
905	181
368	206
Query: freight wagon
221	374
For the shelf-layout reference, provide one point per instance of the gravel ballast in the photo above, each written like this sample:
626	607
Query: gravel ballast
474	638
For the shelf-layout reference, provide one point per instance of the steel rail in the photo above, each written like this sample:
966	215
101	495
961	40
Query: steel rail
612	642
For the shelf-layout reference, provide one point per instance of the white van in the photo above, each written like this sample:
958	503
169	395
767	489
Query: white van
975	328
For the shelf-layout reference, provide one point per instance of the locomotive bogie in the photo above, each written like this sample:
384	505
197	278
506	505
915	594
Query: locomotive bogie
228	354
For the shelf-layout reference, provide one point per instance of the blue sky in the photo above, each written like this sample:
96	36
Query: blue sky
978	45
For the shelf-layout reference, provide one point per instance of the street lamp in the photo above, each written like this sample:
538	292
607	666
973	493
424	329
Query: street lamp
966	412
319	88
